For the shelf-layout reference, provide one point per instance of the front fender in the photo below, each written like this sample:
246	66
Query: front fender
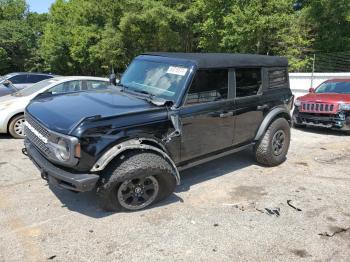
276	112
133	144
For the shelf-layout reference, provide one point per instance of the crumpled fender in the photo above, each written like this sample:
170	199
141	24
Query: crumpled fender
133	144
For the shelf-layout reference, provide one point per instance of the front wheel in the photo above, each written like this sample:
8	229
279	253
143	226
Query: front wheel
16	127
272	149
135	181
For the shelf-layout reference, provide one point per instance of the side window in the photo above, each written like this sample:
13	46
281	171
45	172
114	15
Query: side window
248	81
277	78
19	79
37	78
208	86
67	87
94	85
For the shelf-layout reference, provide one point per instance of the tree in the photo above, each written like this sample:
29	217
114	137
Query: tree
254	26
330	24
20	33
90	36
85	37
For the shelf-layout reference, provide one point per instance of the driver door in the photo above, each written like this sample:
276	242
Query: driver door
207	116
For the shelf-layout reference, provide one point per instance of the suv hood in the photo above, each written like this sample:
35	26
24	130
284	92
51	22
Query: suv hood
326	98
61	113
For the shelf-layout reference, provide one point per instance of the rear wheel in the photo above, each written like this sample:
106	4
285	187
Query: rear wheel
135	181
272	149
16	127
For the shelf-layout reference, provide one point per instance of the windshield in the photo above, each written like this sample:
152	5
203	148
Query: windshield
334	87
35	88
155	78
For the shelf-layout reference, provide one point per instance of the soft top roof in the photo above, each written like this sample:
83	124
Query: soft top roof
220	60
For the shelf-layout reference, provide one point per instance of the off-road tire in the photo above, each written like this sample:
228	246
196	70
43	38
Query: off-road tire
131	165
12	127
263	149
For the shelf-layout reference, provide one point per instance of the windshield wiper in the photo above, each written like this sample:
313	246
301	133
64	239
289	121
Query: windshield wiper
158	101
151	98
123	87
145	93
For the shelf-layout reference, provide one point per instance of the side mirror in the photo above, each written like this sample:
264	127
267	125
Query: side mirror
312	90
7	83
113	79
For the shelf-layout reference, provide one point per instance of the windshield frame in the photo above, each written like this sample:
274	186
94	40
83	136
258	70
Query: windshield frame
171	61
330	82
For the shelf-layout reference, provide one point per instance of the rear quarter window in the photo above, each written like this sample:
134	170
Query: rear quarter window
278	78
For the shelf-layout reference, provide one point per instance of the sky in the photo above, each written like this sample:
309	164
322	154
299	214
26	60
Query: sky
39	6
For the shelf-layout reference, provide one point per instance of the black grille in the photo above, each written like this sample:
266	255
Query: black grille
34	138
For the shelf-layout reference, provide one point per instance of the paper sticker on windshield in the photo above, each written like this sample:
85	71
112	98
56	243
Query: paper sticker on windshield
181	71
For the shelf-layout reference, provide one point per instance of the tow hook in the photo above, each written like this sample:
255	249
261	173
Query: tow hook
24	151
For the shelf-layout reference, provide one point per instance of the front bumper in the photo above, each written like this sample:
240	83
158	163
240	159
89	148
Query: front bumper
339	121
57	176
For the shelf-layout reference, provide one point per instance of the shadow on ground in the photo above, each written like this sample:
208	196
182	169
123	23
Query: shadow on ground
5	136
87	204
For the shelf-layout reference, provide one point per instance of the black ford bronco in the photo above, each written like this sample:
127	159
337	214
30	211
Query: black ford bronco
170	111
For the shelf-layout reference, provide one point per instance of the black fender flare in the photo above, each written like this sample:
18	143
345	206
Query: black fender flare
277	111
134	144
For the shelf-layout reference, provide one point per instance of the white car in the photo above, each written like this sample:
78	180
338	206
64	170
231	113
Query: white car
12	106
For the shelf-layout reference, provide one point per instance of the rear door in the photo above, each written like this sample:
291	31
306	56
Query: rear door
249	104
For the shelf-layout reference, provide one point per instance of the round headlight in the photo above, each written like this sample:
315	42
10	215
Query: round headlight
345	107
62	150
297	102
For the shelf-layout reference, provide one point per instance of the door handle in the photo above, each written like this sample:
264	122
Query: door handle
226	114
263	107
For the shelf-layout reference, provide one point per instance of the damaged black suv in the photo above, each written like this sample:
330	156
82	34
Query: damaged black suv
170	111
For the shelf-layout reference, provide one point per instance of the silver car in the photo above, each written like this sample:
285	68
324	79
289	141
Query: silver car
6	88
23	80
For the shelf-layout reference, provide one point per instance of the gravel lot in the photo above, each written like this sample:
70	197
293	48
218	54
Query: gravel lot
226	210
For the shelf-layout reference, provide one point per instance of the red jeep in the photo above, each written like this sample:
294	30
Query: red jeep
326	106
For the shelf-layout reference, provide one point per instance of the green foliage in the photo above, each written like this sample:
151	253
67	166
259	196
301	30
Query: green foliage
90	36
12	9
254	26
330	24
85	37
20	33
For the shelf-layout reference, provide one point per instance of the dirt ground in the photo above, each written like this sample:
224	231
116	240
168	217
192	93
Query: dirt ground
230	209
